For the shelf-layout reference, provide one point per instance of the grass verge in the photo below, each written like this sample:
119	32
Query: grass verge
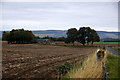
113	65
88	68
74	69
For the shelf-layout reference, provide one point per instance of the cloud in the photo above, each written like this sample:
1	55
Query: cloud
43	15
60	0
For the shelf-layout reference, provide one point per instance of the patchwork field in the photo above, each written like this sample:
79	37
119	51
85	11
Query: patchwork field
114	44
38	61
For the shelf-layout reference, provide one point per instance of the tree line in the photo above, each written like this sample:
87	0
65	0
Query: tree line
54	39
83	35
19	36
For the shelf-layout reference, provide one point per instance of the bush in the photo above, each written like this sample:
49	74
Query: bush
63	69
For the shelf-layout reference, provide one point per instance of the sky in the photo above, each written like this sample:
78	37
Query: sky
101	16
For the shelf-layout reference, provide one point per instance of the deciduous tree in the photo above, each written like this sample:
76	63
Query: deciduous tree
87	35
19	36
72	35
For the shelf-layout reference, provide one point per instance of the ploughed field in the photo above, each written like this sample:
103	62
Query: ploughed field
38	61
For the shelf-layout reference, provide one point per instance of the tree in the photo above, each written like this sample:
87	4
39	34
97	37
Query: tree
61	39
54	39
67	41
5	36
19	36
72	35
95	36
46	37
86	34
82	35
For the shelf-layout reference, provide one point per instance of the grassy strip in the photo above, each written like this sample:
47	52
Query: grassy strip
87	68
113	65
74	69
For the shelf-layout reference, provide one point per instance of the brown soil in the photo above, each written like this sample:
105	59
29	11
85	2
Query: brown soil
38	61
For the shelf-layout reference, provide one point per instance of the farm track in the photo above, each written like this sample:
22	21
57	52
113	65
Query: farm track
38	61
113	51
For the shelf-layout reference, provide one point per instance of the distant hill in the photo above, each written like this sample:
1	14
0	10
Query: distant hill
0	35
62	33
52	33
104	35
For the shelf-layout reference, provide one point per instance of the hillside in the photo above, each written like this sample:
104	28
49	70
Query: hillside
62	33
104	35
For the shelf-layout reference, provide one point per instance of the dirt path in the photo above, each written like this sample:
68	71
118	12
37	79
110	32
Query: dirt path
113	51
90	69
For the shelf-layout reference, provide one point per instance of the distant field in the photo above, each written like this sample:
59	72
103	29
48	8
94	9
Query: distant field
38	61
114	44
107	42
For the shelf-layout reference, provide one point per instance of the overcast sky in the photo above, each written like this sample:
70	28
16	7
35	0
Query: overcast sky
60	16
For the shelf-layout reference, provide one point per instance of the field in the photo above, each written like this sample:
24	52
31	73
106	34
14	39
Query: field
114	44
38	61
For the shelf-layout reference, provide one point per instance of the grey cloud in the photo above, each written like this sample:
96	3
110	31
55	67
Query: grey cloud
60	15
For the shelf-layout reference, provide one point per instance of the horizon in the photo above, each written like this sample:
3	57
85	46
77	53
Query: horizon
59	30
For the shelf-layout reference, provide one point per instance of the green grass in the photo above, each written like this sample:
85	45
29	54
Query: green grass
116	48
113	66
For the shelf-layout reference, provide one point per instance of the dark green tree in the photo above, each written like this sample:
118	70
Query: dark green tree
95	37
61	39
86	34
5	36
19	36
82	35
67	41
72	35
